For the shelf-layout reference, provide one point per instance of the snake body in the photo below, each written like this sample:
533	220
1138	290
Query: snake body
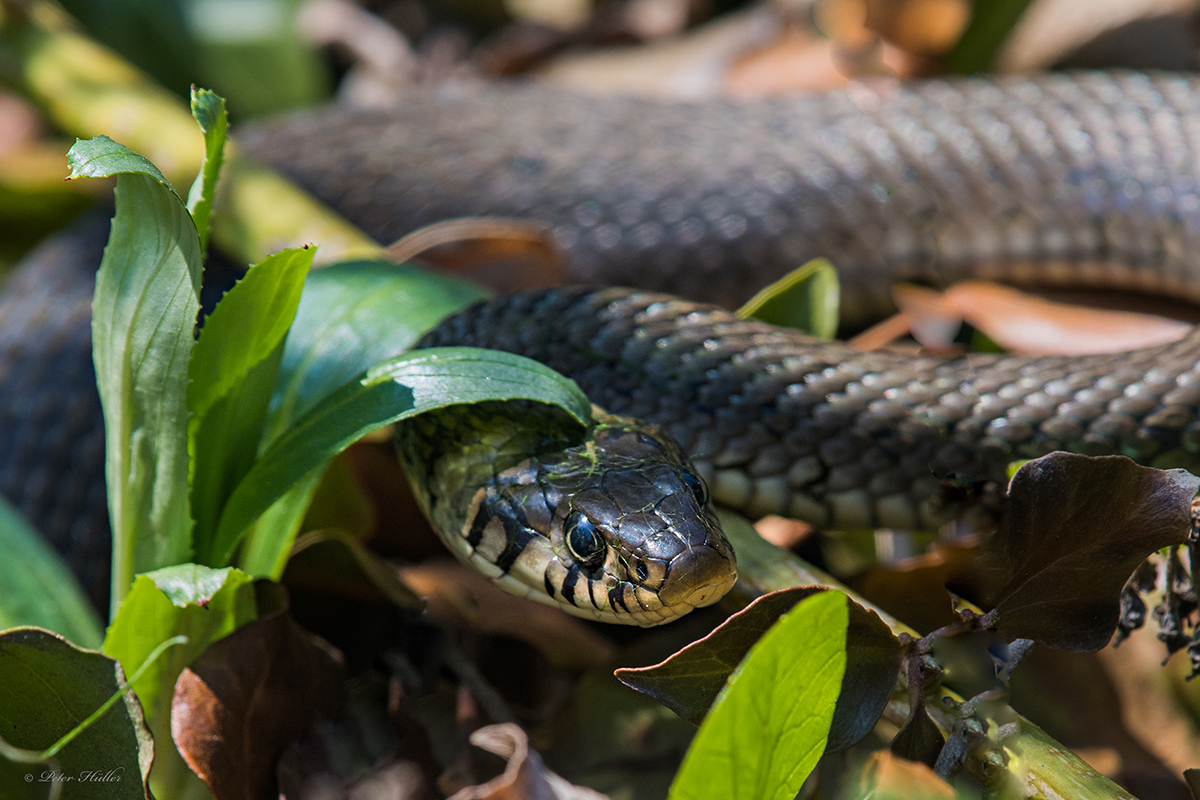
1081	178
1090	178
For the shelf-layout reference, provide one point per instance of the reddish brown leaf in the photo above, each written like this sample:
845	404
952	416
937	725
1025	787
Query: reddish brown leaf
525	777
688	681
1075	530
246	697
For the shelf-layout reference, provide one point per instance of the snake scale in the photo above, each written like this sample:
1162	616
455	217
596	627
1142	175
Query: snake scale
1084	179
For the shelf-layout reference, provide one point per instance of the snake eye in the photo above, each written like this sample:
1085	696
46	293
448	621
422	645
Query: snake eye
583	540
696	484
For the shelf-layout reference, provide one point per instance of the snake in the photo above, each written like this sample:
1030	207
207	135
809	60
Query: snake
1083	179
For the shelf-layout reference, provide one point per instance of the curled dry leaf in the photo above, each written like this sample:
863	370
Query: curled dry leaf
689	681
246	697
525	777
1075	530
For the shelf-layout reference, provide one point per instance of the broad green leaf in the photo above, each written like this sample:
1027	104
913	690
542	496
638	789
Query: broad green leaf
208	109
396	389
50	688
768	729
690	680
37	588
143	317
352	316
101	157
806	299
200	603
232	374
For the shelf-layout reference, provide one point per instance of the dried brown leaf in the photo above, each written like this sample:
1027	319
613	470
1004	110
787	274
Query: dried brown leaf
1075	530
246	697
1026	323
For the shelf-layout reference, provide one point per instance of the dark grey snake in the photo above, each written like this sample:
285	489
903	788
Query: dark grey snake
1087	179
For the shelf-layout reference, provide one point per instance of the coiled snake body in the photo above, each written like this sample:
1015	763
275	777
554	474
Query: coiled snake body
1090	179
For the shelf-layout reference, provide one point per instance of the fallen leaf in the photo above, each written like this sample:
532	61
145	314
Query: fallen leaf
1024	323
246	697
1075	529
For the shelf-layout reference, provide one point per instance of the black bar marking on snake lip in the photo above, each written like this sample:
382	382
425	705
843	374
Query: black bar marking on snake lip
546	581
616	597
517	537
568	587
475	535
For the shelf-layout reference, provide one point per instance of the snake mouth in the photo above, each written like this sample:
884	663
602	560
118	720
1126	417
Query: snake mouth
697	578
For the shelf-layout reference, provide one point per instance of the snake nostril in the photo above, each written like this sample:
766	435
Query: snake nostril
643	571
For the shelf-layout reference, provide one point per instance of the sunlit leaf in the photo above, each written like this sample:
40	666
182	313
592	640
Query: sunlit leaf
768	730
201	603
351	316
208	109
398	388
806	298
143	317
690	680
233	372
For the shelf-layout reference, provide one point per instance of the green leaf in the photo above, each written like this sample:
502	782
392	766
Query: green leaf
268	543
143	317
690	680
50	688
396	389
208	109
768	729
101	157
352	316
232	375
989	28
37	588
200	603
806	299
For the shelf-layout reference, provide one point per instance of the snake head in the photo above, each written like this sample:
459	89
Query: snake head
624	529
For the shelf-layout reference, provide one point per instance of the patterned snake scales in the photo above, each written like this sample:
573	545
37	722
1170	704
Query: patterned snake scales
1089	179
